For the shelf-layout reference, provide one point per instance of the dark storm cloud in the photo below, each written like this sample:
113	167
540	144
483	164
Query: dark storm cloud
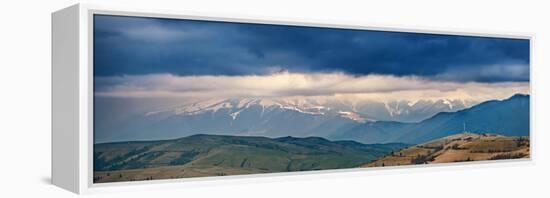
131	45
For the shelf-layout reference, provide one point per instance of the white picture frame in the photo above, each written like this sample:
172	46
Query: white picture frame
72	99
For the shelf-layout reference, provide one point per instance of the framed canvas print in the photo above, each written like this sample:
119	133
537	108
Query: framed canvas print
145	97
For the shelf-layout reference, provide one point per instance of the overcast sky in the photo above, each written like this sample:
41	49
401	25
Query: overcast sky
162	57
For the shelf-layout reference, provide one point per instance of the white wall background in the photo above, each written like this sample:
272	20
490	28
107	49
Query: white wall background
25	98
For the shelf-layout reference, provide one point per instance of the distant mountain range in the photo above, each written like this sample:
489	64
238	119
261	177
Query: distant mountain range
261	117
369	110
215	155
507	117
367	122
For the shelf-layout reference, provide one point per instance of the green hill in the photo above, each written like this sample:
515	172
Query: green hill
216	155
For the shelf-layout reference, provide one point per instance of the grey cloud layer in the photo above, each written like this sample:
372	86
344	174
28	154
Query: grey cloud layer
286	84
140	46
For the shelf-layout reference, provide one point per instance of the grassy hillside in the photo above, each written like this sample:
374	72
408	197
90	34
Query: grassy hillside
215	155
459	148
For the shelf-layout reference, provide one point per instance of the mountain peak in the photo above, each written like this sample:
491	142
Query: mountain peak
519	96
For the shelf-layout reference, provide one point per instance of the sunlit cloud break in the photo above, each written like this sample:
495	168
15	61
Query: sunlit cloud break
285	84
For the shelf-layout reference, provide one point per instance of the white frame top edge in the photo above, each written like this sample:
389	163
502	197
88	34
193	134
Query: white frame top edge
305	22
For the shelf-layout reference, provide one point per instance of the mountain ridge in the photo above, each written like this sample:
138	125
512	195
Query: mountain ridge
495	116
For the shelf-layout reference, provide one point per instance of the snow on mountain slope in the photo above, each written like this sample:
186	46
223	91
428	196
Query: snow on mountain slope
401	111
236	105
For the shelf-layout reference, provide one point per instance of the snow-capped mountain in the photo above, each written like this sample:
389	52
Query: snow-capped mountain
238	105
401	111
270	117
